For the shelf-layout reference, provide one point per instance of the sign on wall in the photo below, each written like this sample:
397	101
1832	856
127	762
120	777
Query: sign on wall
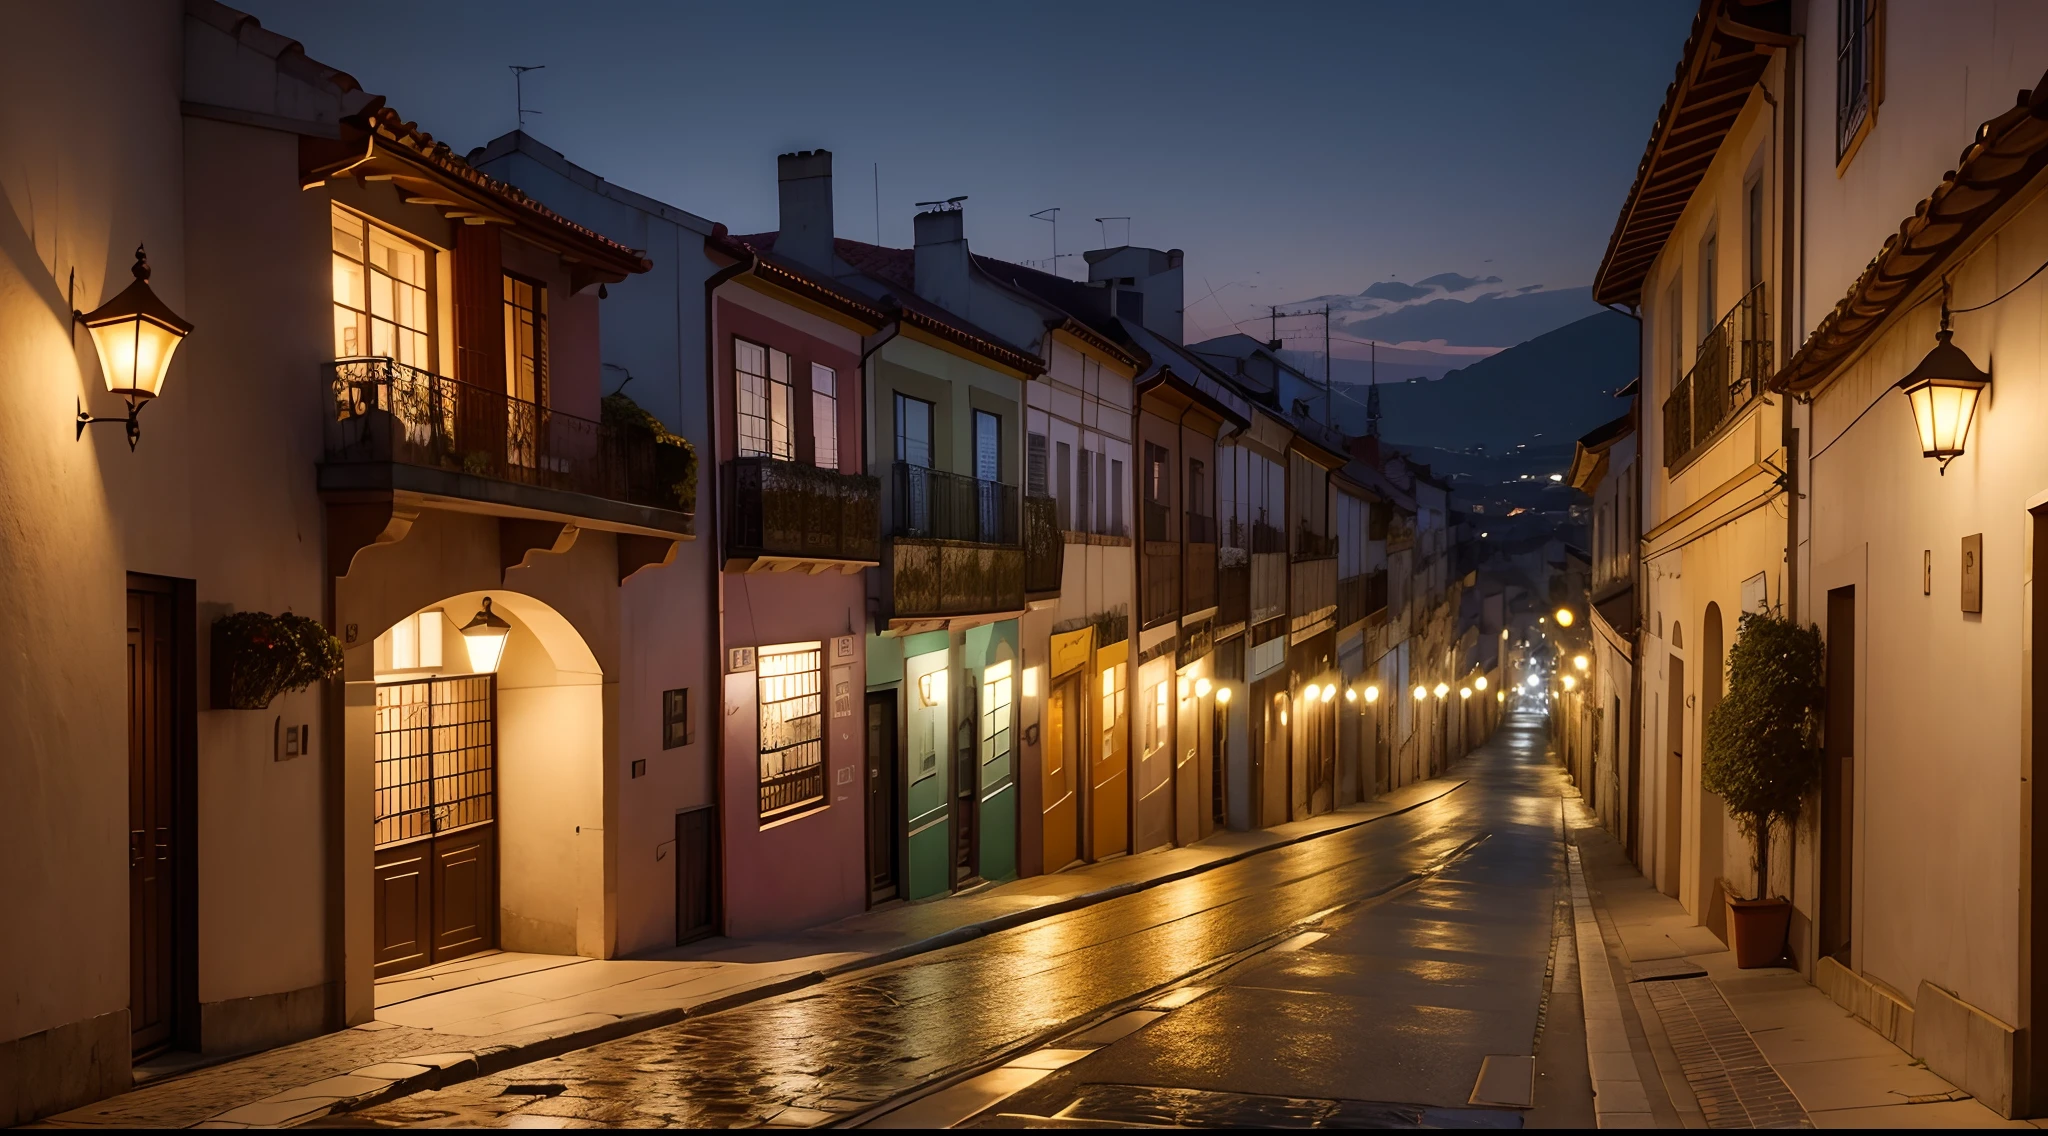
1973	573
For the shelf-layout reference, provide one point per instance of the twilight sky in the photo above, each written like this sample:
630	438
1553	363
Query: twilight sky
1294	151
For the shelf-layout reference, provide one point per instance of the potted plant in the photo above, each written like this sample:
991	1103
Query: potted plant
1763	757
258	656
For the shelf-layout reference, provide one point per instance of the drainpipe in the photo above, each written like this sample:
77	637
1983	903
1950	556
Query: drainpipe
715	582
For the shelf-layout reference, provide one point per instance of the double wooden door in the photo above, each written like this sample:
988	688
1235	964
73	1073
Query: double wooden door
436	873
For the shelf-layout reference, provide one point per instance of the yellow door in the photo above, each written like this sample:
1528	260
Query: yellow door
1062	802
1109	801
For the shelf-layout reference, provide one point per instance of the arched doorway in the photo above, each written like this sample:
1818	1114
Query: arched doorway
487	767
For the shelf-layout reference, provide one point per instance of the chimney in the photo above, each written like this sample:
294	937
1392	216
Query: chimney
1146	285
942	257
804	189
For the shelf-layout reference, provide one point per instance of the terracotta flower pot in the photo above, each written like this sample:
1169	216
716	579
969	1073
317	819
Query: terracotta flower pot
1756	929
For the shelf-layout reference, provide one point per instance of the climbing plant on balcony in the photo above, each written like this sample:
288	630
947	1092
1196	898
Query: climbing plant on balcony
258	656
675	459
1763	751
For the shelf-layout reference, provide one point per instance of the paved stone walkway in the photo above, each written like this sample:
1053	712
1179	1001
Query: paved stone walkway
1749	1048
491	1012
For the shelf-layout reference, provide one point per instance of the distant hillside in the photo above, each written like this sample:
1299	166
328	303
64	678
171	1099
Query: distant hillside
1546	391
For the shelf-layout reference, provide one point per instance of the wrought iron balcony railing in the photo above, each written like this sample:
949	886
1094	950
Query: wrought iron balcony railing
931	504
383	411
1734	361
787	509
1045	549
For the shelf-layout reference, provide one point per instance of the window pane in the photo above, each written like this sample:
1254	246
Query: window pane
824	417
750	364
913	430
792	759
987	447
781	408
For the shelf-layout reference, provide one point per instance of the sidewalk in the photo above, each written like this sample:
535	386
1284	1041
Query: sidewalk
1723	1047
489	1012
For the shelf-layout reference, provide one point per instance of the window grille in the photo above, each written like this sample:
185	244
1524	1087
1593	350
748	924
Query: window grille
766	402
1855	68
792	747
437	756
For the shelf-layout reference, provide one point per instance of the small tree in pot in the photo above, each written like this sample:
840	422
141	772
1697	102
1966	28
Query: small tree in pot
1763	757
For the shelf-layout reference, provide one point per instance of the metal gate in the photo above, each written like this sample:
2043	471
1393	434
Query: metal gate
435	836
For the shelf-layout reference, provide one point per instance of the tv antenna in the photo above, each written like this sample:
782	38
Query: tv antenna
1052	215
949	205
519	89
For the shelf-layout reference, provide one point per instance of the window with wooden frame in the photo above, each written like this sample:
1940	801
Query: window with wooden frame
526	340
792	745
767	405
1859	71
382	308
824	417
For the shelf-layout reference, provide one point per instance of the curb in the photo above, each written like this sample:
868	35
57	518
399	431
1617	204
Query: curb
403	1076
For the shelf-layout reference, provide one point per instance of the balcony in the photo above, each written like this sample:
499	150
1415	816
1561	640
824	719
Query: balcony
1198	573
1045	549
395	428
1162	584
1233	591
1360	596
1312	593
954	547
785	516
1734	361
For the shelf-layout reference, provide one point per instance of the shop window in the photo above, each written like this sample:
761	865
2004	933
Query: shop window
792	747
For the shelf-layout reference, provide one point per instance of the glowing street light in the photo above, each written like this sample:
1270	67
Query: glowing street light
1479	683
1372	694
485	637
1564	617
1421	692
1442	689
1580	662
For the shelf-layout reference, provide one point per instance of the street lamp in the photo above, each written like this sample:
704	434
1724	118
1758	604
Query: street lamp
485	637
1421	692
1943	392
1564	617
1464	692
1479	683
1568	683
1442	689
1329	692
135	334
1202	688
1222	696
1372	694
1580	662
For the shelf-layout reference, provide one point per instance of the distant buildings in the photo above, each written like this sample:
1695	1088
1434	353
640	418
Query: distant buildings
657	582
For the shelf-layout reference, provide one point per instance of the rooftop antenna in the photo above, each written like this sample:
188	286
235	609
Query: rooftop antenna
1052	215
878	203
1104	222
519	89
949	205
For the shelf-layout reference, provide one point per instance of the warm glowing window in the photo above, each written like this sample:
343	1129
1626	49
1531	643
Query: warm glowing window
767	405
792	743
824	417
996	696
380	293
412	644
1114	693
526	340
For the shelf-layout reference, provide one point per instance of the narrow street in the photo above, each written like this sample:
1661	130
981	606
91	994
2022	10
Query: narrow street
1363	977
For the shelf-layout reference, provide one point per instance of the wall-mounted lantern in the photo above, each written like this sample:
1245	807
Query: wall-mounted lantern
1222	696
1479	683
1943	392
1580	662
1569	682
1464	692
1442	689
1421	692
136	335
1372	695
485	637
1202	688
1564	617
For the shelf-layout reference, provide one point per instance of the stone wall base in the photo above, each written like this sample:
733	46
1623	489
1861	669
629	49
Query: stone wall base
1958	1041
244	1025
63	1067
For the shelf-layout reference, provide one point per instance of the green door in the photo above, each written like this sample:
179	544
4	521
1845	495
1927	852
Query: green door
925	738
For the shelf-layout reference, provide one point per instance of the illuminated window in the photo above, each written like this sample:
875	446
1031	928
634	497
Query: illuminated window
766	403
412	644
792	744
1114	695
996	696
380	293
526	340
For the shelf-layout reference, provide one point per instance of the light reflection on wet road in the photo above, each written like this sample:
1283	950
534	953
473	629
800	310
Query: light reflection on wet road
841	1047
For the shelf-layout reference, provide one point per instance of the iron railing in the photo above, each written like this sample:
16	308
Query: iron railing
1198	573
1734	361
934	505
1162	587
784	508
1156	514
1360	596
788	792
1045	550
384	411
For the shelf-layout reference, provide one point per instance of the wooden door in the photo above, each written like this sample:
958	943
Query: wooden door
967	785
435	872
697	914
883	822
1270	760
153	899
1838	781
1109	790
1060	768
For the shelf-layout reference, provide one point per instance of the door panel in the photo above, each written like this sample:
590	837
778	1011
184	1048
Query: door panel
882	809
465	892
1838	780
403	893
152	741
696	874
1063	801
1109	778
